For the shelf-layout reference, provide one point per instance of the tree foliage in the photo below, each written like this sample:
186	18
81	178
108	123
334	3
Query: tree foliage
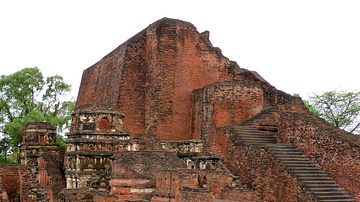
340	108
26	96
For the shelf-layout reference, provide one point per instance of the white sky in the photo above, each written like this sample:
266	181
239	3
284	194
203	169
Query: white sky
303	47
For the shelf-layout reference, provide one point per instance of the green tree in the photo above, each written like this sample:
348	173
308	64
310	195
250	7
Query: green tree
4	147
340	108
27	96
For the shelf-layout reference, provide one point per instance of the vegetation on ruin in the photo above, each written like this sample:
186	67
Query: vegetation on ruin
27	96
340	108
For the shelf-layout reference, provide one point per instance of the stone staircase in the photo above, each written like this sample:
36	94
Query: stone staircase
249	135
313	179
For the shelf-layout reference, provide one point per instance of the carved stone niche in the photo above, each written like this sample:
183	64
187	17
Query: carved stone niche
97	120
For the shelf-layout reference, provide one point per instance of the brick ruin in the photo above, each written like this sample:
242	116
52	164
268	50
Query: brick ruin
167	117
40	176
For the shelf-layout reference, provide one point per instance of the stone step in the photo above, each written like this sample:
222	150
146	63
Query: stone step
325	189
300	165
272	150
289	158
255	138
280	145
309	174
288	152
258	140
319	181
259	115
242	134
260	144
256	135
250	132
281	149
313	178
246	127
338	196
249	127
286	160
318	184
328	193
338	200
303	168
250	121
296	161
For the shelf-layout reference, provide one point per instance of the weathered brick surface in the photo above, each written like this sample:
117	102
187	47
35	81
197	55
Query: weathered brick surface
151	77
195	195
11	181
272	96
148	163
79	195
196	185
54	167
133	172
145	142
231	193
223	104
20	183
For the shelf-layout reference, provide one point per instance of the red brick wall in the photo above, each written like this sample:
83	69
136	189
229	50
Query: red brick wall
223	104
96	83
105	198
272	96
164	183
18	182
190	195
54	170
11	180
150	78
79	195
177	184
181	61
231	193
